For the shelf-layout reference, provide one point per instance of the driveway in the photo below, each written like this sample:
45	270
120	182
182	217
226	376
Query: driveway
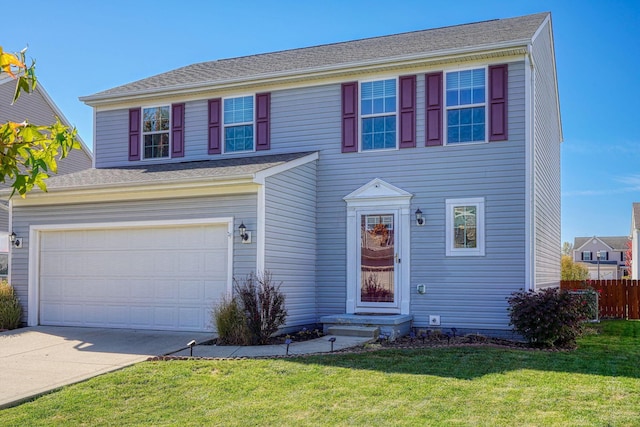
36	360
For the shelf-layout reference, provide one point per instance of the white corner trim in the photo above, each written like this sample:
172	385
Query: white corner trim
529	135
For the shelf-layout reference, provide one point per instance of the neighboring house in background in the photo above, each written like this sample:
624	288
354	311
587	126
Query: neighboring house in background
389	176
635	240
604	256
39	109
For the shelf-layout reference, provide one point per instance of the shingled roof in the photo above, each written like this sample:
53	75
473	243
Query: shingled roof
426	43
616	243
222	169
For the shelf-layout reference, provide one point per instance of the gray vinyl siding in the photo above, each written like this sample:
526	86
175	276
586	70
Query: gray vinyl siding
290	251
467	292
244	207
546	168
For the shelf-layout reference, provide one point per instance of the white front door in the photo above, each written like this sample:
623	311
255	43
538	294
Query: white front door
378	256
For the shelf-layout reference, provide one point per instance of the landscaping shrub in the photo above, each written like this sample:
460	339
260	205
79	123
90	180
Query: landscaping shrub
10	309
263	305
548	318
231	323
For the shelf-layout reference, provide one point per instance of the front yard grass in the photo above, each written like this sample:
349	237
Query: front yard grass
597	384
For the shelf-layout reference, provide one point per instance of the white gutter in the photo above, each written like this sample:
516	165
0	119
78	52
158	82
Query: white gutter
510	48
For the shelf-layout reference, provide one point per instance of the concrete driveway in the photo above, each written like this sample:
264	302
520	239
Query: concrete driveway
36	360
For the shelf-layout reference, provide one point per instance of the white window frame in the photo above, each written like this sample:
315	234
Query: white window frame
479	250
143	133
252	123
485	104
369	116
584	256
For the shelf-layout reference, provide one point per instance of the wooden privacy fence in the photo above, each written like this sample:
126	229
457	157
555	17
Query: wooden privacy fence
618	299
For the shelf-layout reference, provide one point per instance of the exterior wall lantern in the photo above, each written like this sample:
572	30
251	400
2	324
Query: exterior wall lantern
419	219
16	241
244	234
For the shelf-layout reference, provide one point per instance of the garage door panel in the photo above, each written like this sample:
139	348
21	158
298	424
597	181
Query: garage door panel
133	278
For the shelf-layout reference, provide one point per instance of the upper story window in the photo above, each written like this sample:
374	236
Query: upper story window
155	132
465	227
378	104
466	106
238	124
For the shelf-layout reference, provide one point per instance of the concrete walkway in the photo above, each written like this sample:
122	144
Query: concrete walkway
318	345
37	360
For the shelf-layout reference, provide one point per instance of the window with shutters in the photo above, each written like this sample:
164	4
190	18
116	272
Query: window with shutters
465	98
586	256
238	124
155	132
378	106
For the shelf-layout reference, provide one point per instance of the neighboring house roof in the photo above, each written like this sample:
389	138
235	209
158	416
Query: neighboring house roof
37	107
223	169
321	60
616	243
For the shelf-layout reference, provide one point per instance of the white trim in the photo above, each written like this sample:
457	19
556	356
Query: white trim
360	127
142	132
500	50
253	124
260	177
479	250
378	196
34	249
445	132
529	126
261	231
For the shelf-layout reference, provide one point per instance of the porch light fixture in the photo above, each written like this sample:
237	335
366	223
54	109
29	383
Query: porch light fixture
16	242
244	234
419	218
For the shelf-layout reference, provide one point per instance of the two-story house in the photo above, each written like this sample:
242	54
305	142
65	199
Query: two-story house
605	257
37	108
390	176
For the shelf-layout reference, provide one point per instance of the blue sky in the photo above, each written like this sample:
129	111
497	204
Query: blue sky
83	47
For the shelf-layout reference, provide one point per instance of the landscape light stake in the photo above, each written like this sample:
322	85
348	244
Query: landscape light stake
287	342
332	340
191	344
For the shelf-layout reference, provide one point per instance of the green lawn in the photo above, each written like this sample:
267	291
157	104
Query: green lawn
598	384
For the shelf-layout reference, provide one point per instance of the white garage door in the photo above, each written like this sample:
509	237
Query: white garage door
164	278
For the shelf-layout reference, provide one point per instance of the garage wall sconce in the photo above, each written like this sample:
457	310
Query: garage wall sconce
420	221
244	234
16	241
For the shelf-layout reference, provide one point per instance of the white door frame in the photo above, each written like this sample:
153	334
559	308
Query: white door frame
35	231
379	197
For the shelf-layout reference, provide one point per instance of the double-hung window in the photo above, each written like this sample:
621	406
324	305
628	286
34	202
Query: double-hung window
465	227
466	106
586	255
238	124
155	132
378	105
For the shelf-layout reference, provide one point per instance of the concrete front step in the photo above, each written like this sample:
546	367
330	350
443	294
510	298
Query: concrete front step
391	326
355	331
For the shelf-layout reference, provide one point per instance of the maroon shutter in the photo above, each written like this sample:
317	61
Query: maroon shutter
263	109
433	100
498	102
407	111
214	126
177	130
350	117
134	133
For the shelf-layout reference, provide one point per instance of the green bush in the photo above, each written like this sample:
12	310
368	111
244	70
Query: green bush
263	305
548	318
231	322
10	309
